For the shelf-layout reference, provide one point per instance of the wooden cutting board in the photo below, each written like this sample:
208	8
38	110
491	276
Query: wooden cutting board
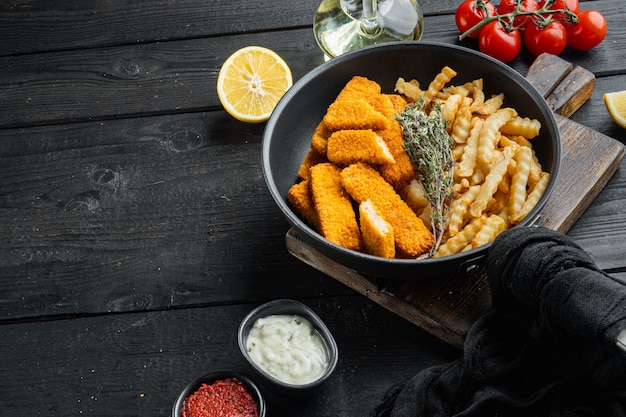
447	307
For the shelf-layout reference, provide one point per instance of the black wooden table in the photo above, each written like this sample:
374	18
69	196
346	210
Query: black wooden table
136	229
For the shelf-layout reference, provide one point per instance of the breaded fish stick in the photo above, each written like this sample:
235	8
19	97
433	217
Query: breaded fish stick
319	140
359	87
347	147
312	158
337	219
300	198
363	183
402	172
354	114
376	232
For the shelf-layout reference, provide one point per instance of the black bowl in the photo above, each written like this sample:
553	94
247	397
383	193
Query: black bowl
280	389
194	385
287	136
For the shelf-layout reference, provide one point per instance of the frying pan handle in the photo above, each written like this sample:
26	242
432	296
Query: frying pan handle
471	265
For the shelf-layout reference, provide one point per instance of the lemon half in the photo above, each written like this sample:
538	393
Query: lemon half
251	82
616	105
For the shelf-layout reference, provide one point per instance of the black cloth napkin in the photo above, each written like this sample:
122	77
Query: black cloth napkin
547	347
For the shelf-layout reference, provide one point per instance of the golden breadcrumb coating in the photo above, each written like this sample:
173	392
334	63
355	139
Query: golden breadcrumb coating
311	158
359	88
412	237
377	233
346	147
320	138
337	219
398	102
402	172
299	196
354	114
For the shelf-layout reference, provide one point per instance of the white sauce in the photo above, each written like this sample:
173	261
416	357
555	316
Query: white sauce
289	348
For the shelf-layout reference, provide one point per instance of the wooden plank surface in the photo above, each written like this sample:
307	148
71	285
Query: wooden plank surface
174	256
134	364
147	21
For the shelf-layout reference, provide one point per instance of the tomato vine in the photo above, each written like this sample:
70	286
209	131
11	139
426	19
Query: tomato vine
542	25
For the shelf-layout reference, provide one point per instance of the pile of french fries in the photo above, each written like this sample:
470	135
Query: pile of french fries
498	178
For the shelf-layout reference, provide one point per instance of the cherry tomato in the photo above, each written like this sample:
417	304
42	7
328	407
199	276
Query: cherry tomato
573	5
497	42
588	32
468	14
508	6
551	39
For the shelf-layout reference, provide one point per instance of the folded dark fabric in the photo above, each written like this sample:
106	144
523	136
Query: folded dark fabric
547	347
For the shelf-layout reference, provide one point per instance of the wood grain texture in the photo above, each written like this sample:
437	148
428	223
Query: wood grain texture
110	216
67	24
139	80
445	307
136	229
136	364
179	75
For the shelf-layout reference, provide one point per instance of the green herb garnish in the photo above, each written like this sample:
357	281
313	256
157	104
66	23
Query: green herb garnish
430	147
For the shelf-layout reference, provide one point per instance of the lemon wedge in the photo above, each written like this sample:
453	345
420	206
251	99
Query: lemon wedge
251	82
616	105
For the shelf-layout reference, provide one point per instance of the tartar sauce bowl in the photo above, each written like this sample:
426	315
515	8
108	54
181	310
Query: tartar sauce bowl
221	375
280	324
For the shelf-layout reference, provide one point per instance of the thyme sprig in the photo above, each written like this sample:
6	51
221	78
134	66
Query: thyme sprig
430	147
540	18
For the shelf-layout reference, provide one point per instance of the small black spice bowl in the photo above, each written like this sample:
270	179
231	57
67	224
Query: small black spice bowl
212	377
276	387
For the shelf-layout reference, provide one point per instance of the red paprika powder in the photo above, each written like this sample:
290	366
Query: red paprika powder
223	398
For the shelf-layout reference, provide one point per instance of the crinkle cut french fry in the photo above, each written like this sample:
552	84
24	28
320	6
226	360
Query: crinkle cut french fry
489	134
533	198
456	243
477	93
519	181
458	209
520	140
464	89
441	79
490	185
505	141
490	106
450	108
410	89
498	202
477	177
462	126
505	185
535	172
461	186
470	151
522	126
488	232
457	152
